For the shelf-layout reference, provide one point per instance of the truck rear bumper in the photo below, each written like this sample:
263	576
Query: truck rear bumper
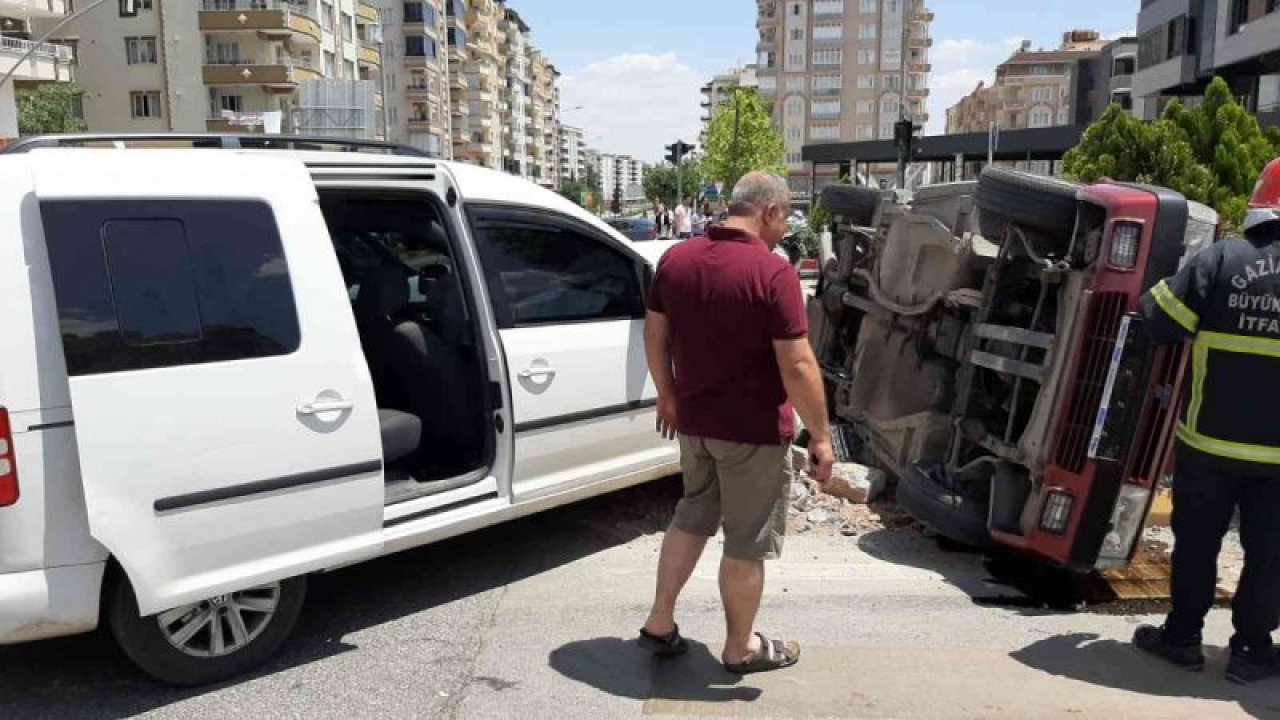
51	602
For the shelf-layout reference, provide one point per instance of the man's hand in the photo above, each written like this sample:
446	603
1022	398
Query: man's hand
821	458
667	418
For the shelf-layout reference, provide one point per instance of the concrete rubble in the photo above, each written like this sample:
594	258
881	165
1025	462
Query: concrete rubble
853	503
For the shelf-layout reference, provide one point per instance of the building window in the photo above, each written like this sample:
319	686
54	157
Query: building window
145	104
870	6
863	132
138	5
795	83
1041	117
419	46
794	134
886	131
865	107
795	107
140	50
797	34
893	82
824	132
866	82
827	82
1064	113
1042	94
867	32
828	57
891	60
866	57
889	105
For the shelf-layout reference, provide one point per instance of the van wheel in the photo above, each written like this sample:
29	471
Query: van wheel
955	517
210	640
1047	205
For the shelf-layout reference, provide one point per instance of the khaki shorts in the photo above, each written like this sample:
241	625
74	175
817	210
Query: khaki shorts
744	488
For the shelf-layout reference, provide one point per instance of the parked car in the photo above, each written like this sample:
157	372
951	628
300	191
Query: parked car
242	367
982	343
635	229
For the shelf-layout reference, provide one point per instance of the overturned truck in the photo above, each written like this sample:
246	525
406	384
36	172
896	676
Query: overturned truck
981	342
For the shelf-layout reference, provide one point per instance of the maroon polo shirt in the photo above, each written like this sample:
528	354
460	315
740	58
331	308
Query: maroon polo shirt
727	297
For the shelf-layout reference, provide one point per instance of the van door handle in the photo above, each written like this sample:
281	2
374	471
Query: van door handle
537	371
315	408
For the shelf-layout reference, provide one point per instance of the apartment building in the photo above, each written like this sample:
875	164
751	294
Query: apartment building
229	65
717	93
416	67
573	154
1035	88
478	83
1182	45
842	70
619	171
543	122
46	63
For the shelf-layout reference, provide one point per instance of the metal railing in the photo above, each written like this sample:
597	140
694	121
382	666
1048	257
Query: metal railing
251	5
50	50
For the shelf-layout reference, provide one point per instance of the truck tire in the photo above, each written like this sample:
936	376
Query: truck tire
953	516
856	204
1047	205
266	613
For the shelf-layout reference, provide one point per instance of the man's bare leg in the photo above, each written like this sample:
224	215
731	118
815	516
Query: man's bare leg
741	586
680	553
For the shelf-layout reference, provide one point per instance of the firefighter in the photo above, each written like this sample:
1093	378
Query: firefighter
1226	300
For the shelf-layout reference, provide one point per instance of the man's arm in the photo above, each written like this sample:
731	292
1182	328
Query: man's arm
1173	306
802	378
657	351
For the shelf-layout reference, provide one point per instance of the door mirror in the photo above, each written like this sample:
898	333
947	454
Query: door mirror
432	272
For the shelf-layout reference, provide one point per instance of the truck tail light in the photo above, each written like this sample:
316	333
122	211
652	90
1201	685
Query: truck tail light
1056	513
1125	237
1126	522
8	466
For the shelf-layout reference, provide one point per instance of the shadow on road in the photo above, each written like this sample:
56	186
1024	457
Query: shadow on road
624	669
1112	664
88	677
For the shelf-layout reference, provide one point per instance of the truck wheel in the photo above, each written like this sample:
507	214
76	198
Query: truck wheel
211	640
956	517
1045	204
856	204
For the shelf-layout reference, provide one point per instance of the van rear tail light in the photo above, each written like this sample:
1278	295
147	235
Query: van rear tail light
8	466
1056	513
1125	237
1127	519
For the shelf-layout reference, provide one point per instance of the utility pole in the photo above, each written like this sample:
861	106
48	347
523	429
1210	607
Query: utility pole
904	145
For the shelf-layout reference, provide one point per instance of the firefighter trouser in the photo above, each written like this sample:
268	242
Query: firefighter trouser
1204	501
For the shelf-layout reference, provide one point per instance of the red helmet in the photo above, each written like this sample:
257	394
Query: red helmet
1264	206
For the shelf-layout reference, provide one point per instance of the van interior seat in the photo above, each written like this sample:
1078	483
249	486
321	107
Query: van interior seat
401	434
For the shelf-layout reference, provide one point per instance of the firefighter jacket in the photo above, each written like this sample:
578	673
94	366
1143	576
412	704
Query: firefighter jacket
1226	300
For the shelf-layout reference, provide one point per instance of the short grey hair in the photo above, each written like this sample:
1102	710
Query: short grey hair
756	191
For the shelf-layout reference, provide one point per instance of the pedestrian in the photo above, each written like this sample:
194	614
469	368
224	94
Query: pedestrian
682	218
704	219
730	404
662	221
1226	300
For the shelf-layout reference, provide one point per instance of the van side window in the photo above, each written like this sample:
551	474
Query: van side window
151	284
544	274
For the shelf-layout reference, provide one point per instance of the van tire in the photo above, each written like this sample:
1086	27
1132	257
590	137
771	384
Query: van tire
145	643
854	203
953	516
1044	204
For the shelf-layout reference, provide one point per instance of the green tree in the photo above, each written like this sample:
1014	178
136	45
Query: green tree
660	182
49	109
575	191
1212	153
743	138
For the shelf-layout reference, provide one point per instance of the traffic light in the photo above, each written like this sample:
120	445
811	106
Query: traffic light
617	200
677	151
905	135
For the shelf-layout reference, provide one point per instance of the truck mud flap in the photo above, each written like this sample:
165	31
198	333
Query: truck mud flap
953	516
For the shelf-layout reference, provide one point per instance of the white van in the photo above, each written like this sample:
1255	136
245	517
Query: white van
222	370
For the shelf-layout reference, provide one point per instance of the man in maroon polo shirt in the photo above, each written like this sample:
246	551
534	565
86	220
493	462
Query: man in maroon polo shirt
726	338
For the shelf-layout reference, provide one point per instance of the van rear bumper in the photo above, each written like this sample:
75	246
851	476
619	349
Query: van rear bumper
48	603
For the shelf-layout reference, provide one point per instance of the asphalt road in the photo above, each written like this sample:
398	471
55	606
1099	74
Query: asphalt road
534	620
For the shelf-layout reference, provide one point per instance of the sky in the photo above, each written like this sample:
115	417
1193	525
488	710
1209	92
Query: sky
632	69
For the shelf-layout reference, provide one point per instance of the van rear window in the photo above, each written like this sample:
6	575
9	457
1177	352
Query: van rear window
150	284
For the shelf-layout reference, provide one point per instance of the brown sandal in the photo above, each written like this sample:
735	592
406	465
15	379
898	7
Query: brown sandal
773	655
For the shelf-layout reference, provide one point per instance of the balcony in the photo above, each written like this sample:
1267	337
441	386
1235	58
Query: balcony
1121	83
49	62
368	54
825	112
418	92
280	75
34	8
767	20
272	19
366	13
828	9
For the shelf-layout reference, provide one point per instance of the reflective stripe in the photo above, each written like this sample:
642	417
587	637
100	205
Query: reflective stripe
1234	451
1239	343
1175	308
1199	367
